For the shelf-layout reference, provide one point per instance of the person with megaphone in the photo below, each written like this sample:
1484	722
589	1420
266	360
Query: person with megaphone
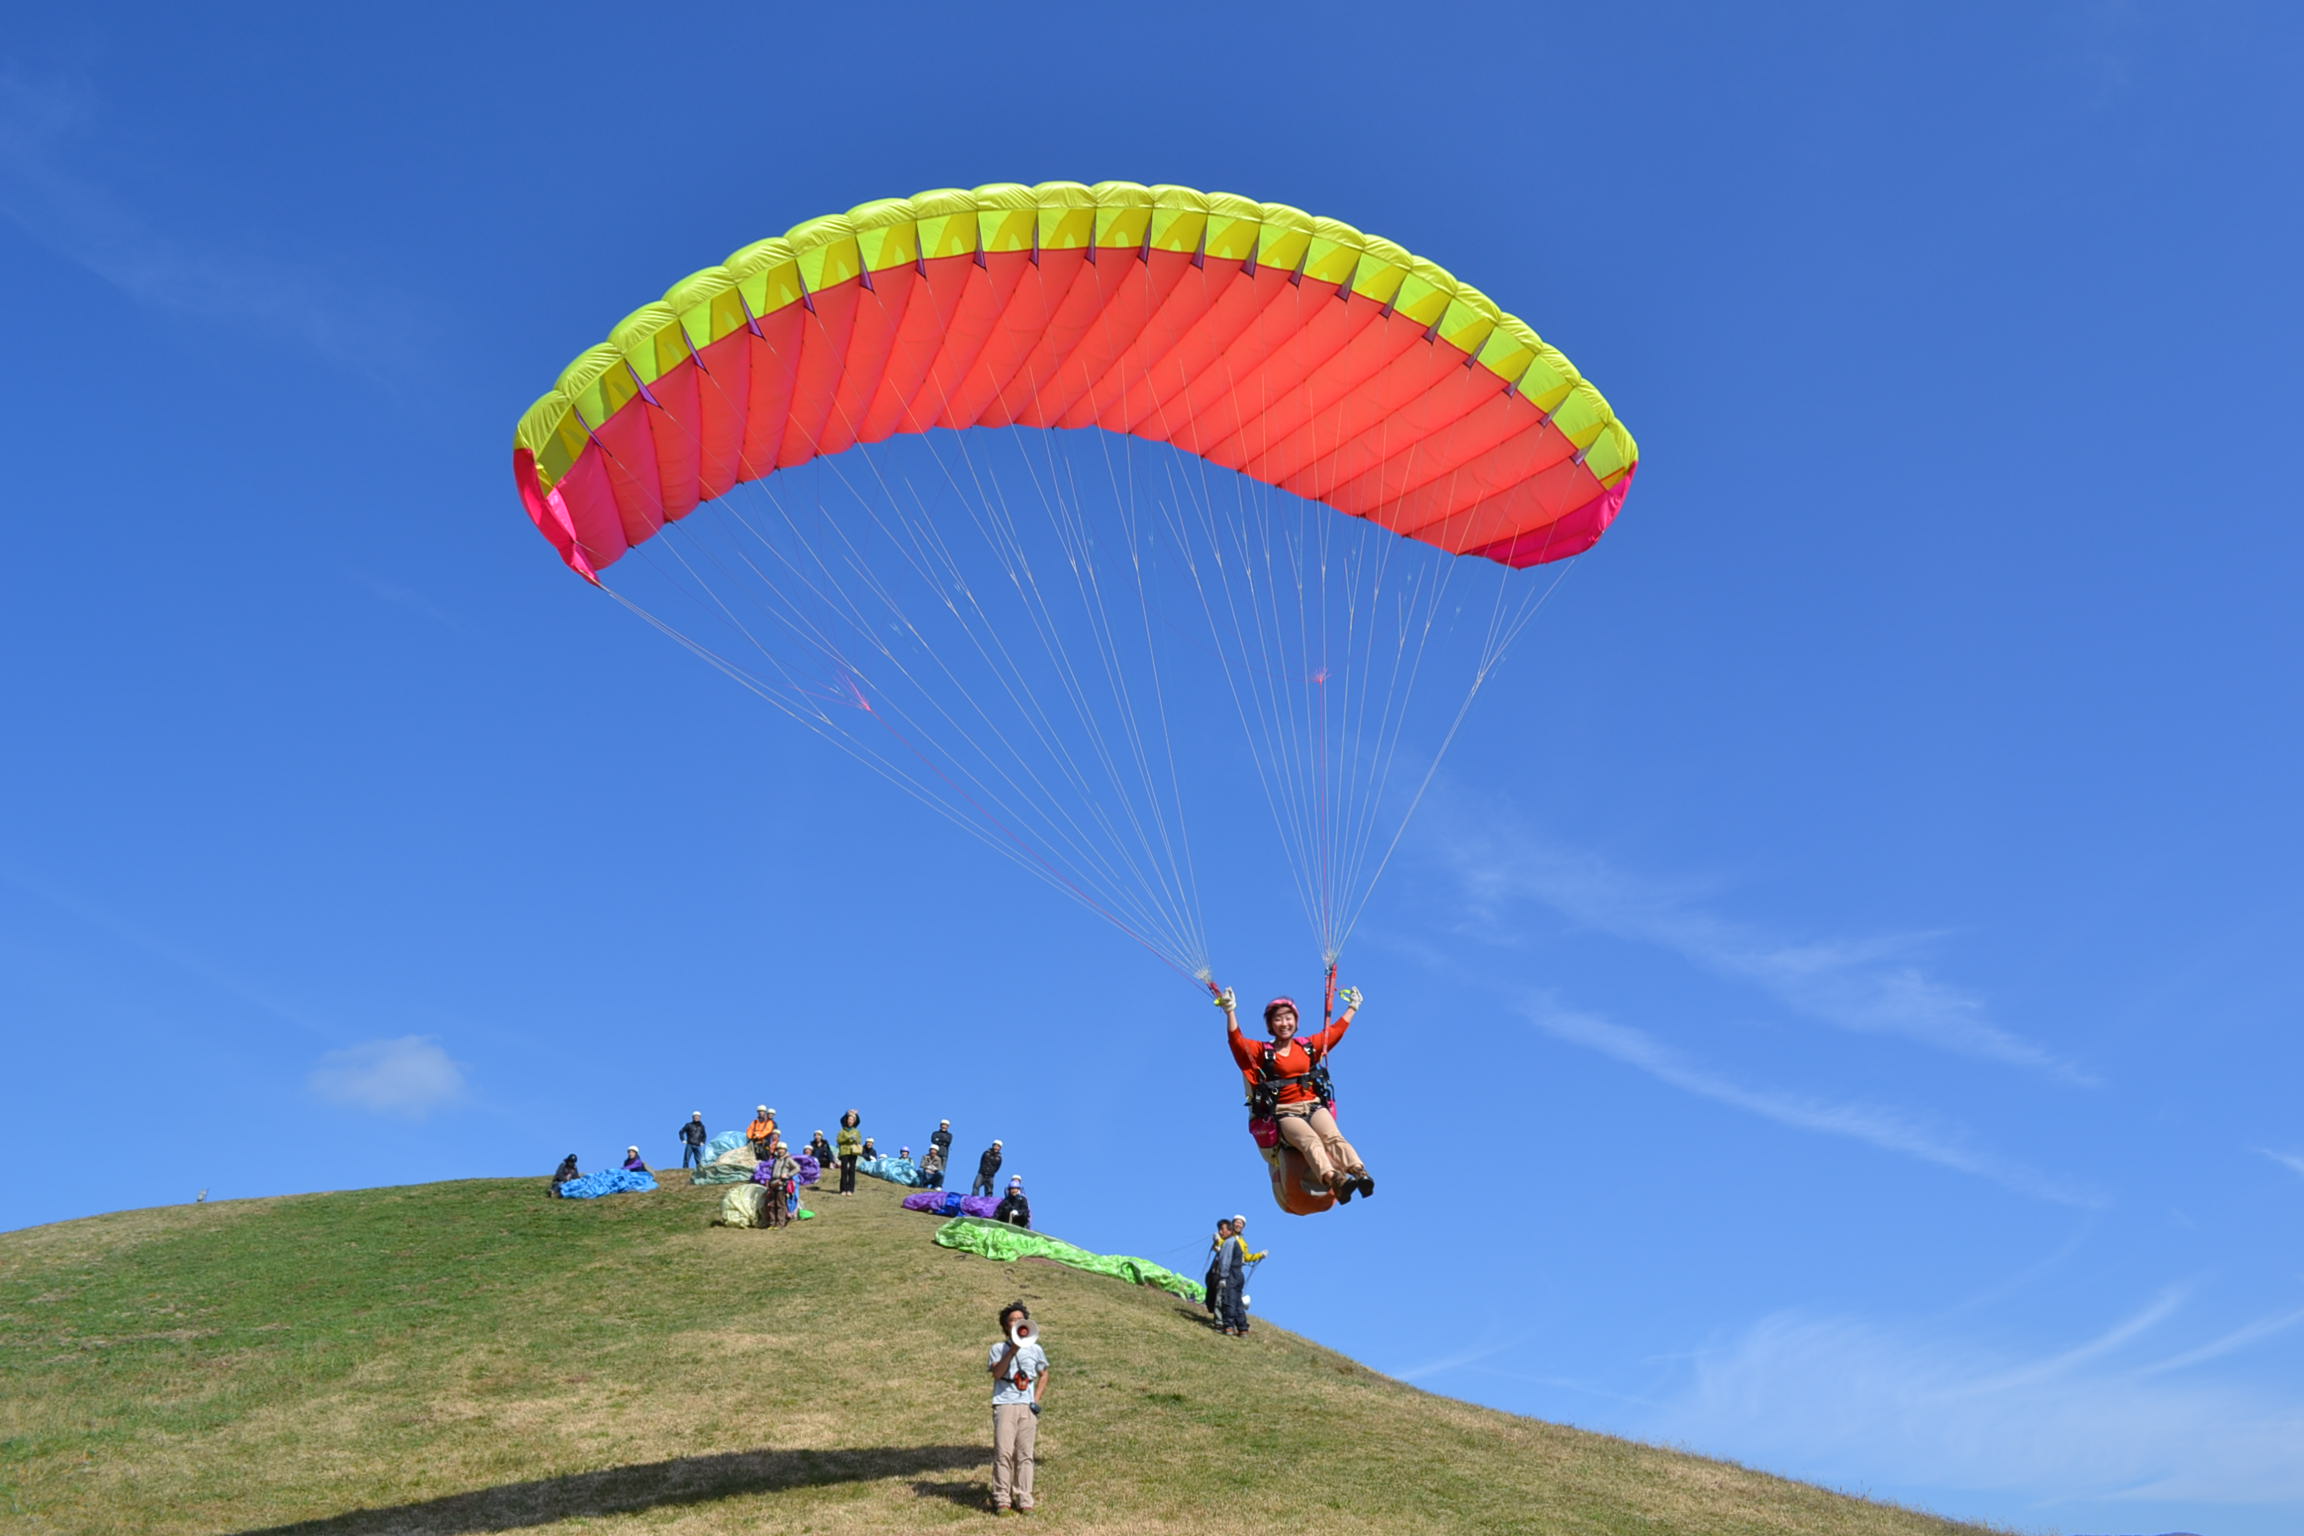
1019	1368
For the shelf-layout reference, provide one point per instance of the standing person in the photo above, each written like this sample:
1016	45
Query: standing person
932	1169
851	1148
941	1138
1019	1370
1013	1208
1288	1079
1212	1285
1233	1259
783	1170
761	1132
987	1169
692	1139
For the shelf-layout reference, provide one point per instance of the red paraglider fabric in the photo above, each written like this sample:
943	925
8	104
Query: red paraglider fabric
1310	384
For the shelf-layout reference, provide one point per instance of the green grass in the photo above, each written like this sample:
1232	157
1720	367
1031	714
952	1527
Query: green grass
473	1357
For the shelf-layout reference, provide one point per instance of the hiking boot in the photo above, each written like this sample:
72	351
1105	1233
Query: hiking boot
1344	1191
1367	1182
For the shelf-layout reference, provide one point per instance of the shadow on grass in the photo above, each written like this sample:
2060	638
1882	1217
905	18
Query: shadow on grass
976	1496
621	1490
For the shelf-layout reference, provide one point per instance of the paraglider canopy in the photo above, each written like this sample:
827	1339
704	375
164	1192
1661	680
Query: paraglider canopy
1013	646
1162	312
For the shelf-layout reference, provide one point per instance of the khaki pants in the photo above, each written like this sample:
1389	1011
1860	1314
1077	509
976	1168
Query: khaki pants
1015	1430
1311	1130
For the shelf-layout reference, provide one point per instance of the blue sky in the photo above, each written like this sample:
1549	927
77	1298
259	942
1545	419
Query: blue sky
1836	1008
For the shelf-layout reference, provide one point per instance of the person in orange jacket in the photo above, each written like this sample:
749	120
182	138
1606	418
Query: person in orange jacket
1287	1078
761	1132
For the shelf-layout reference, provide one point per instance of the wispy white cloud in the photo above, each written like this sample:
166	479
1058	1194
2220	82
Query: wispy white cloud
1885	1127
97	915
2288	1160
1873	985
1848	1401
409	1076
2231	1343
44	194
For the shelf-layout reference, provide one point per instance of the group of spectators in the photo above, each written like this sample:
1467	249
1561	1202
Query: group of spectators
853	1147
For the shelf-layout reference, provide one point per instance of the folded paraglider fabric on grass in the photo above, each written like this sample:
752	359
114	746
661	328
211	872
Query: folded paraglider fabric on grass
950	1202
740	1207
747	1206
733	1166
998	1240
810	1169
608	1181
896	1170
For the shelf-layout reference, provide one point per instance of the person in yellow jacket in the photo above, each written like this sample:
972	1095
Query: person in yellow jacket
850	1144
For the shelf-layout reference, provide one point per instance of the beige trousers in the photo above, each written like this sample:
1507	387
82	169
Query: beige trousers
1014	1432
1311	1130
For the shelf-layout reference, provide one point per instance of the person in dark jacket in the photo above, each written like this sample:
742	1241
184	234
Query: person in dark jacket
1013	1208
1231	1267
851	1148
565	1172
821	1150
987	1169
1212	1286
692	1139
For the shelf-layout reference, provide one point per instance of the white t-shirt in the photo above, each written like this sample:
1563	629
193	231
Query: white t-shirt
1030	1362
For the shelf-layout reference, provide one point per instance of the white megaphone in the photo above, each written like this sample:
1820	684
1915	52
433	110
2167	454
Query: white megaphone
1021	1332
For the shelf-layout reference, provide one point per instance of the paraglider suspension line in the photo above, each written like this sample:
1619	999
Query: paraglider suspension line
864	703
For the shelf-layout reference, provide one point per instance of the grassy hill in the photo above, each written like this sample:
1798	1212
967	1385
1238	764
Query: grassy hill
472	1357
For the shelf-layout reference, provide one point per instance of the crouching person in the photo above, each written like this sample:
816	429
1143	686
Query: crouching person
1019	1374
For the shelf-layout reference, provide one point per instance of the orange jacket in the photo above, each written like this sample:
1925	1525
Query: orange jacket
760	1130
1292	1060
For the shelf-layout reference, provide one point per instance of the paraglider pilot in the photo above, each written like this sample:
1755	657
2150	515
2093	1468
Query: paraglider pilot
1287	1079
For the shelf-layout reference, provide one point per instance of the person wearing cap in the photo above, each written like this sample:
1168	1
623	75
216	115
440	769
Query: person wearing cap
761	1131
1231	1271
1019	1375
851	1149
783	1175
941	1138
820	1149
932	1168
633	1162
692	1139
987	1169
1287	1079
1013	1208
1212	1284
565	1172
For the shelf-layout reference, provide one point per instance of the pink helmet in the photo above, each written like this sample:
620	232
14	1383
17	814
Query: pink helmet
1279	1003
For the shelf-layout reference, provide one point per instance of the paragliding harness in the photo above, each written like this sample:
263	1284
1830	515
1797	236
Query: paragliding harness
1264	1097
1264	1093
